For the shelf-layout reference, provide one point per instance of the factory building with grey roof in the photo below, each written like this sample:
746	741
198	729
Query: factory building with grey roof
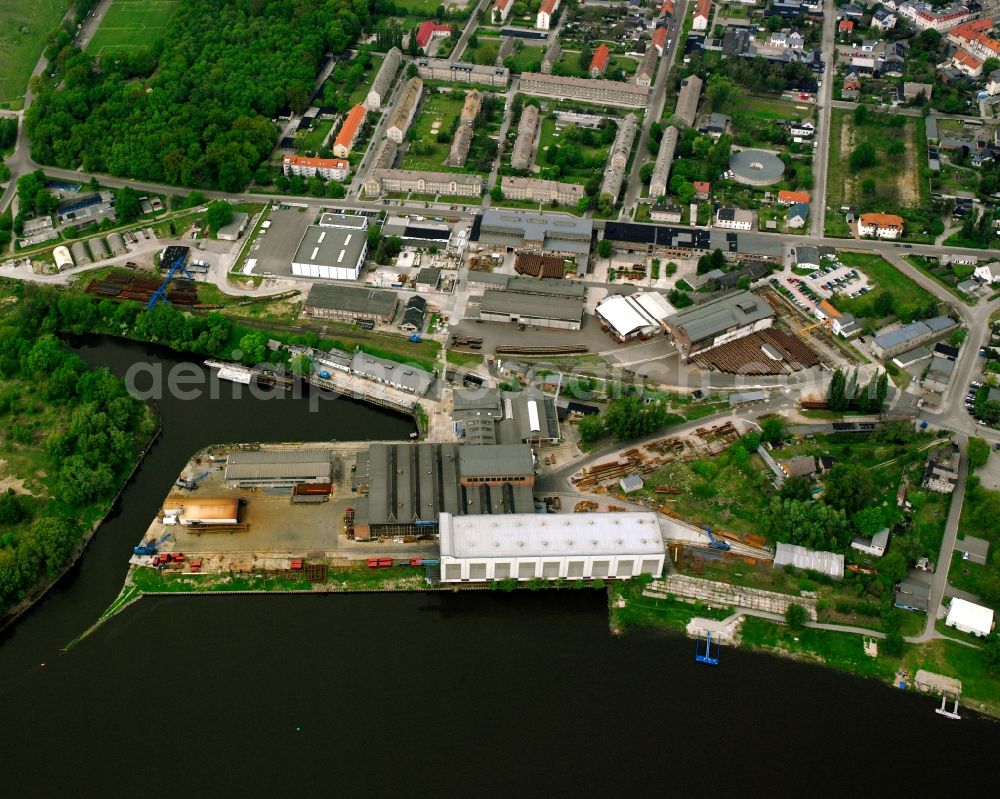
531	309
403	487
725	318
277	467
350	303
331	253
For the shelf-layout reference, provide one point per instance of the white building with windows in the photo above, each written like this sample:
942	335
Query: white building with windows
529	546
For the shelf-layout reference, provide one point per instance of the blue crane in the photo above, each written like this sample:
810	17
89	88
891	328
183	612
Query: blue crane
175	265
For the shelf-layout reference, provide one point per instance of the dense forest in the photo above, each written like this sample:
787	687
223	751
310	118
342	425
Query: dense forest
196	109
68	437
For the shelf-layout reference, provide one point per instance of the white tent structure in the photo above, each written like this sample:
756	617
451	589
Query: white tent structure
640	314
968	617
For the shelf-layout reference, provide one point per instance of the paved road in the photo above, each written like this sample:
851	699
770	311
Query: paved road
824	98
654	110
463	40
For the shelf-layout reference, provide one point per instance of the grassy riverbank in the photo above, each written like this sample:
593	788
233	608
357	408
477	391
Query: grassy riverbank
69	440
842	651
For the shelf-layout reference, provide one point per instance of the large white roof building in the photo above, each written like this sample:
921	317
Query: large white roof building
527	546
968	617
639	314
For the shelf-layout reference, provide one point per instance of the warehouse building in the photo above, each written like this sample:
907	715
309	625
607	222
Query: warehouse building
391	373
541	191
600	92
477	548
350	303
404	181
404	487
458	72
517	284
909	336
722	319
98	249
402	114
383	79
635	315
829	563
331	252
516	231
531	309
679	242
490	416
664	160
270	468
420	235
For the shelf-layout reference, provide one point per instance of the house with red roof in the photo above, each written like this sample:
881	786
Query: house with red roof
599	63
846	25
786	197
349	131
660	40
430	30
702	189
501	10
667	9
702	12
545	13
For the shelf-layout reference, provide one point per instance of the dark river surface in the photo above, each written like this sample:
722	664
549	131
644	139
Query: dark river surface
477	694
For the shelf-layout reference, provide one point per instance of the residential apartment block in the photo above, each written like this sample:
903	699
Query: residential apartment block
600	92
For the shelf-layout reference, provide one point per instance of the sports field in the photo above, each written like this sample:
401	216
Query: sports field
132	23
23	28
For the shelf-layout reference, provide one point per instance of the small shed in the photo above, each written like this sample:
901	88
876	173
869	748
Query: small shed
874	546
630	483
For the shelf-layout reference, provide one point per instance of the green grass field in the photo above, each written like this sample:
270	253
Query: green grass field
426	152
132	23
908	294
23	28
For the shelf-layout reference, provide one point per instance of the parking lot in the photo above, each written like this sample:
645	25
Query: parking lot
824	283
274	247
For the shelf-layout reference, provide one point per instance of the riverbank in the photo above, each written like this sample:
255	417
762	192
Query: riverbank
41	589
842	651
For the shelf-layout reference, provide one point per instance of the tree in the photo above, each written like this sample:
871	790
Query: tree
127	204
685	192
991	653
590	427
773	429
796	487
496	193
604	248
11	510
868	186
979	453
254	347
218	214
721	92
849	487
863	156
896	147
796	616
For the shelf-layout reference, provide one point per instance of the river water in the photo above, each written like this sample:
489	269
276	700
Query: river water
477	694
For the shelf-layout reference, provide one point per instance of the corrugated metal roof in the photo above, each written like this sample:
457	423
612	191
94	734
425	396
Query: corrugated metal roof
513	460
828	563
